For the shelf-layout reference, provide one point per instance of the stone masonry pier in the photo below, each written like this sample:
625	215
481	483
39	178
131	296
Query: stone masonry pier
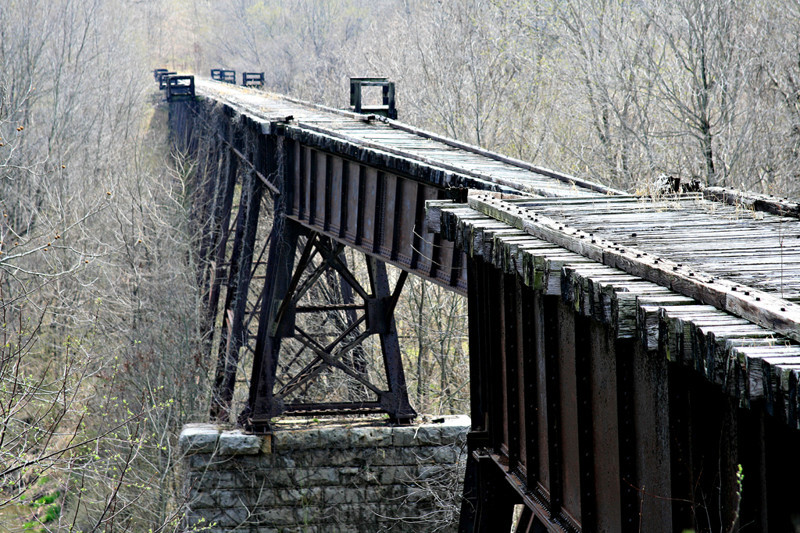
360	475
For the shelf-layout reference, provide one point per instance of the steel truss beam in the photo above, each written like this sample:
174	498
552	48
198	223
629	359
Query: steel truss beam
234	331
313	315
355	313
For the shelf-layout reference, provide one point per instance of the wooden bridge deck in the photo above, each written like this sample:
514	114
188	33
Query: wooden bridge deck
459	163
673	394
746	246
741	261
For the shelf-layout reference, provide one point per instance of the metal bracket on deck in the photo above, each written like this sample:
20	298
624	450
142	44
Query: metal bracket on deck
157	73
223	75
386	108
252	79
162	77
179	88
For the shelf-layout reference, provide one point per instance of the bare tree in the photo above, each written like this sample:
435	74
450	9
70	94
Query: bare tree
701	75
99	365
604	50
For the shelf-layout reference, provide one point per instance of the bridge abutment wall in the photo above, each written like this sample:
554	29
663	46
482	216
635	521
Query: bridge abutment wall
347	475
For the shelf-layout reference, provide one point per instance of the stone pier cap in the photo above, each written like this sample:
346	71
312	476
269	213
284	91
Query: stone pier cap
296	434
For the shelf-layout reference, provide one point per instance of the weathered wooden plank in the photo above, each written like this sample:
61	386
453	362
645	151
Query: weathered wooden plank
759	383
624	307
758	202
674	322
648	319
579	292
757	306
336	140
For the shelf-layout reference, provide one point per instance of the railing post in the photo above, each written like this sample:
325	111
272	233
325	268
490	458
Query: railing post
387	106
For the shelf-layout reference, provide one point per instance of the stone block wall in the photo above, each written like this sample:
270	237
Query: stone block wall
311	477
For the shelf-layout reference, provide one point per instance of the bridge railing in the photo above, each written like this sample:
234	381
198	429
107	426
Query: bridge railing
223	75
387	106
252	79
163	76
180	87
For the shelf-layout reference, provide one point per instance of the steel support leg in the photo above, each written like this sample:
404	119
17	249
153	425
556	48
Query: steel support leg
381	321
220	233
285	292
236	304
261	407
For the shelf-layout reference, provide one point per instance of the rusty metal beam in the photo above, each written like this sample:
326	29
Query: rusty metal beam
237	293
295	282
382	322
378	213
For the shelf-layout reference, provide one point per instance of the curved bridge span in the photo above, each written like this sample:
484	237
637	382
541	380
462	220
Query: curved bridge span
629	356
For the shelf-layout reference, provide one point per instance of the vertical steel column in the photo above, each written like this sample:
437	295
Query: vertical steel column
236	304
584	359
381	321
705	455
553	398
494	371
478	340
280	159
200	189
217	218
488	497
280	264
626	414
510	348
568	412
221	230
478	436
528	346
652	408
219	411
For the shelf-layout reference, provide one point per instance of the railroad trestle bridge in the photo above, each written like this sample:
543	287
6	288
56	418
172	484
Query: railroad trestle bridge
629	356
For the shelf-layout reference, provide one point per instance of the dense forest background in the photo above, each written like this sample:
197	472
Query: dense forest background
617	91
102	356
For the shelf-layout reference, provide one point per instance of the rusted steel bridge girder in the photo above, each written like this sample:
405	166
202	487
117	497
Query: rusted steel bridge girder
607	401
613	386
291	193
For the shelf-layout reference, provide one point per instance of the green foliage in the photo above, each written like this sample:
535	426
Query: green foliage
45	500
52	514
45	509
